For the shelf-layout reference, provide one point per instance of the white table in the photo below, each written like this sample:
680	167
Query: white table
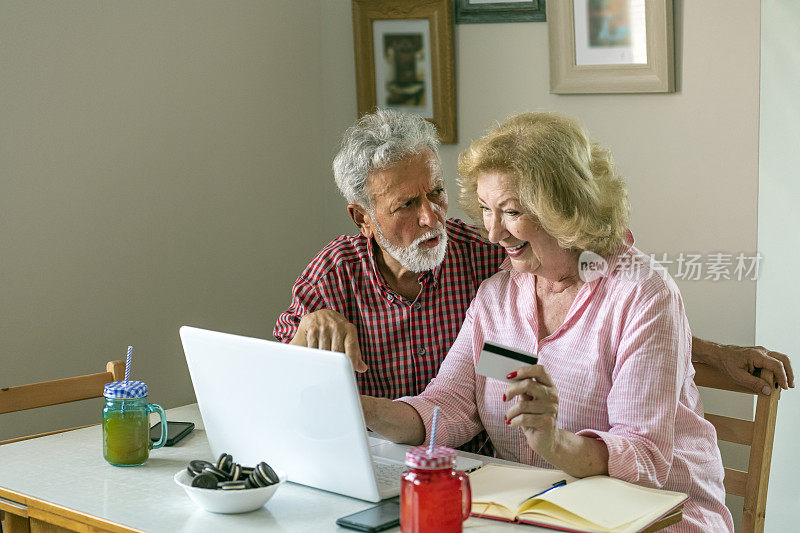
63	479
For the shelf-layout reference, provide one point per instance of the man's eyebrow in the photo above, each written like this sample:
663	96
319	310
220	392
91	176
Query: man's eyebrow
402	199
438	184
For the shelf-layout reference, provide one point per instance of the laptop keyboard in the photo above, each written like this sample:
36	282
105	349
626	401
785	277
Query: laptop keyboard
389	475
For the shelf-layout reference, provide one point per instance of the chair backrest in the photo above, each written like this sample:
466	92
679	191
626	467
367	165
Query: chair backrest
758	434
58	391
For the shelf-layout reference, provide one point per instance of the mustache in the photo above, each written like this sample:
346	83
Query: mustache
438	232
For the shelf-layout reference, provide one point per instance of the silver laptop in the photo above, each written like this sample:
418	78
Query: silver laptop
296	408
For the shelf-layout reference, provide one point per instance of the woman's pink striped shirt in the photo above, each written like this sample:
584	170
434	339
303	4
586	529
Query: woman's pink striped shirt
621	364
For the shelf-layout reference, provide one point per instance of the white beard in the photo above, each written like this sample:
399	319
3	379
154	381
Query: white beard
414	257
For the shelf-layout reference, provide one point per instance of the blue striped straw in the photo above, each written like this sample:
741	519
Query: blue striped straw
128	363
433	429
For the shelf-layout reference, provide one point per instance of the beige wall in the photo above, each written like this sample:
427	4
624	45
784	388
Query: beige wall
159	165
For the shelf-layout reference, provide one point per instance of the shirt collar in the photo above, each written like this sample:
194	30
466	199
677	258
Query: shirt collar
373	265
625	246
431	277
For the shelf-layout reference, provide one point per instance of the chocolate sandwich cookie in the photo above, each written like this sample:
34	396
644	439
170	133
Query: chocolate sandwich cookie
216	472
267	472
236	472
232	485
205	481
256	480
196	466
225	461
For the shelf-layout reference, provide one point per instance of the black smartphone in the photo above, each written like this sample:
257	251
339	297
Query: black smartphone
175	431
383	516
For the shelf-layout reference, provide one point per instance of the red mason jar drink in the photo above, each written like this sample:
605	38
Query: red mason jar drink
434	497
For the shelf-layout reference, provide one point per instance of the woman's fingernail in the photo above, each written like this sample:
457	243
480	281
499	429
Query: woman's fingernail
508	422
766	390
511	375
504	397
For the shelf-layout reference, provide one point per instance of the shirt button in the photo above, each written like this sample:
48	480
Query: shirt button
421	351
417	306
390	298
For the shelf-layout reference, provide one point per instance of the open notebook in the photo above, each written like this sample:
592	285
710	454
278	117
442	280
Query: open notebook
596	504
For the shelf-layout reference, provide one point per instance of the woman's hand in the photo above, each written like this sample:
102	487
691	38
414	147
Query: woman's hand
397	421
536	414
536	411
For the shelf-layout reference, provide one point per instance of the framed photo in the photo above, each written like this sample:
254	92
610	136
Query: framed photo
469	11
404	59
611	46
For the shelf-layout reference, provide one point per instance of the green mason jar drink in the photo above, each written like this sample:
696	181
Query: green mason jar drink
126	423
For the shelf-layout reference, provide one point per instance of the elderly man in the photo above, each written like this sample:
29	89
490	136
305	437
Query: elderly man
393	297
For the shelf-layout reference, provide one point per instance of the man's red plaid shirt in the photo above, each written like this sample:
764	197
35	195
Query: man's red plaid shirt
403	342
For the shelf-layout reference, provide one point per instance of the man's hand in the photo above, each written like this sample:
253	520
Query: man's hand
328	330
739	363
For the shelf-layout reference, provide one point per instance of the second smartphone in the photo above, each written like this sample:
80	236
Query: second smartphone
175	431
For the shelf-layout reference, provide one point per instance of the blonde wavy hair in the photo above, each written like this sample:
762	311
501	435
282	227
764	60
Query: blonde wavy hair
569	183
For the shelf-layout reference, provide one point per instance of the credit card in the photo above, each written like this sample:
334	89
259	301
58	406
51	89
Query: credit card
497	361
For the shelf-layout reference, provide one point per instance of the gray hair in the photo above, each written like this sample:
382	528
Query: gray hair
377	141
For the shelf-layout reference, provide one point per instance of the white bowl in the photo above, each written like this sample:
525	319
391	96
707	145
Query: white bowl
228	501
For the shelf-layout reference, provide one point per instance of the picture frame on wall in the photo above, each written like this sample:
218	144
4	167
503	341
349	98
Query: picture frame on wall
476	11
404	59
611	46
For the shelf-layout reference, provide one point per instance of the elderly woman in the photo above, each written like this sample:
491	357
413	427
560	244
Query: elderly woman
613	391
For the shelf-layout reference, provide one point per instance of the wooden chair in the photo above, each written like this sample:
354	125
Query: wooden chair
42	394
58	391
758	434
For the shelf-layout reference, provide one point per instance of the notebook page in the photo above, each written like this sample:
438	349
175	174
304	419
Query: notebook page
510	486
546	513
611	503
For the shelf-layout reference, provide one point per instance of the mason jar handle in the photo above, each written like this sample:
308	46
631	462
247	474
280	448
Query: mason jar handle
466	496
152	408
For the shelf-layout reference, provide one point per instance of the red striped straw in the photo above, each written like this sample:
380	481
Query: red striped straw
128	362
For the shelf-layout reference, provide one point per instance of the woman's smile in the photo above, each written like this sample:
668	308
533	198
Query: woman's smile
516	251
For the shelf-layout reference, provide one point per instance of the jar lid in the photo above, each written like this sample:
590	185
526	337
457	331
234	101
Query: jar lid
420	457
125	390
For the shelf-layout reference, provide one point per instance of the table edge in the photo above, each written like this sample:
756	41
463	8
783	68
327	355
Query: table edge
63	516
